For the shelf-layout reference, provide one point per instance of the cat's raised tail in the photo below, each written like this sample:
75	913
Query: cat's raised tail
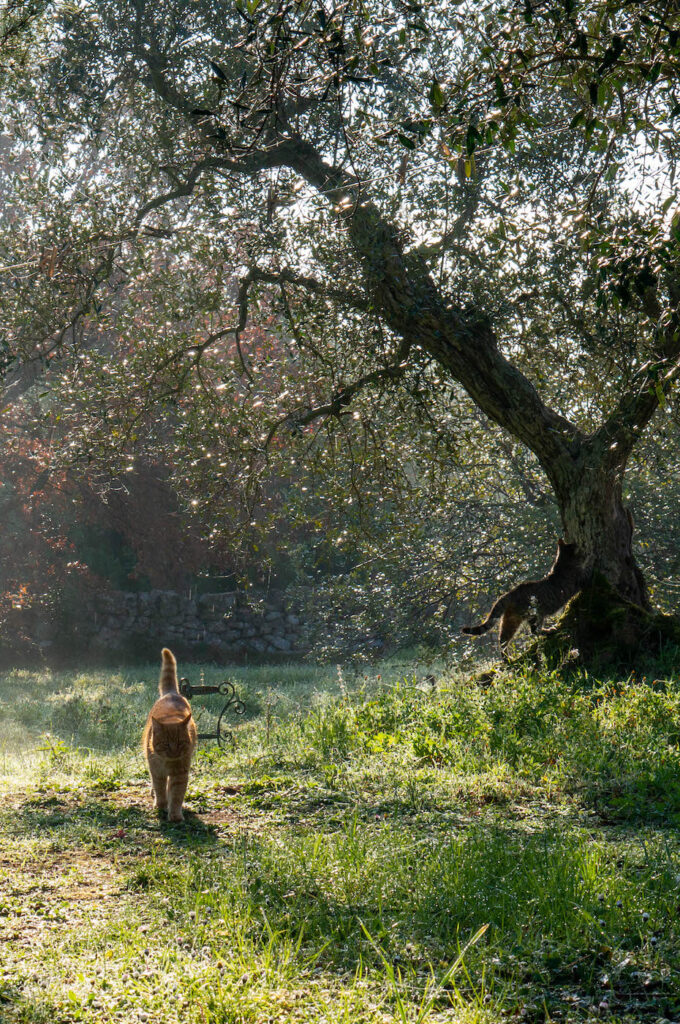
168	680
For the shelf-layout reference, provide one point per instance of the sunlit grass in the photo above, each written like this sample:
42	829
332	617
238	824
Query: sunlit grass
362	831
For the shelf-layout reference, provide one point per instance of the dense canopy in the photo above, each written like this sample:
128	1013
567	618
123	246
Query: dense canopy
277	238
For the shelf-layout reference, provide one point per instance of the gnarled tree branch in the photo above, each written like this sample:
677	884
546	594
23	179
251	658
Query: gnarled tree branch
343	397
286	276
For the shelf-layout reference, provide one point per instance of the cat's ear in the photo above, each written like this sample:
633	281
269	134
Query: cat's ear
561	542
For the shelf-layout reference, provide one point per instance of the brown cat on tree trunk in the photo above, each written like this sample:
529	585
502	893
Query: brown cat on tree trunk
535	600
169	741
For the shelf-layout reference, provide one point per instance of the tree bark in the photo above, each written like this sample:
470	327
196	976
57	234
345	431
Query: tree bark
584	471
596	520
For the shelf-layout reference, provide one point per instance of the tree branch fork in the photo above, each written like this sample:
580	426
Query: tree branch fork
399	289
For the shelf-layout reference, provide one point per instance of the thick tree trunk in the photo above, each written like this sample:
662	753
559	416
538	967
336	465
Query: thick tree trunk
585	471
609	622
596	520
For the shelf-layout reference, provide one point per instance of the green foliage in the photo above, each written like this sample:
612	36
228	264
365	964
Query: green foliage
617	745
337	870
107	555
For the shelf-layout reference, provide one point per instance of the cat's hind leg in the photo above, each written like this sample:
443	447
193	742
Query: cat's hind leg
177	787
508	626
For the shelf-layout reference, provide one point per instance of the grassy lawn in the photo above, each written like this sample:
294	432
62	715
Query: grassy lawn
372	849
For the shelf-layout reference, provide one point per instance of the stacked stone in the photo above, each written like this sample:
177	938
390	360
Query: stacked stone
211	624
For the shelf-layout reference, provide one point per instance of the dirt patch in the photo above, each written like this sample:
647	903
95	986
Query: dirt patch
130	796
223	816
48	893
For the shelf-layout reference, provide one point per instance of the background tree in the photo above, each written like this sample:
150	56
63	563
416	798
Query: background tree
465	203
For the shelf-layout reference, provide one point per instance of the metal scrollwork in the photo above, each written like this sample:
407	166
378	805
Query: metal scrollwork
233	703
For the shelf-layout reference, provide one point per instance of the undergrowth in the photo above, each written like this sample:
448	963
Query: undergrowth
372	848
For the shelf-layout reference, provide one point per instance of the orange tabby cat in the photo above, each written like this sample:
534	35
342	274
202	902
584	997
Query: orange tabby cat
169	741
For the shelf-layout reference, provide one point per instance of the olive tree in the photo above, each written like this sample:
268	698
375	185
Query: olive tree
462	203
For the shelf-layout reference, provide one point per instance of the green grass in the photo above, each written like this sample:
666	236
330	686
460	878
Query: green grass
371	849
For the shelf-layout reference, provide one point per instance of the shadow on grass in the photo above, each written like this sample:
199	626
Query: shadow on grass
192	832
100	822
571	922
649	798
565	910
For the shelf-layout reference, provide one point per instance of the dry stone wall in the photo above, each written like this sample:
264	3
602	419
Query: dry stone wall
134	626
213	625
